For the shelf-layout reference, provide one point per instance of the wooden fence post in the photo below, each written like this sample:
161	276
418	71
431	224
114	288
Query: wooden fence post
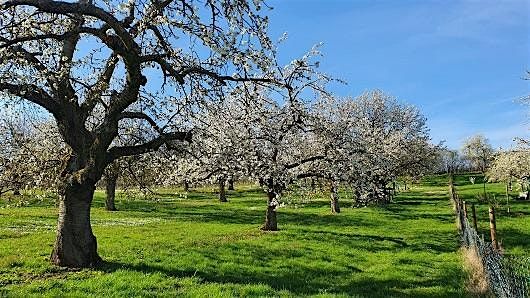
493	228
465	209
474	217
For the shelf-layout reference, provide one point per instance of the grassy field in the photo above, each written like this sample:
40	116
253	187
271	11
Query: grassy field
513	227
194	246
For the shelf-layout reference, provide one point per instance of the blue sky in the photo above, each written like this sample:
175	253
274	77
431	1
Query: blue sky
460	62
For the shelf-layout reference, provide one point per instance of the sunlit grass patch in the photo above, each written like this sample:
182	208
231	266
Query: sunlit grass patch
198	246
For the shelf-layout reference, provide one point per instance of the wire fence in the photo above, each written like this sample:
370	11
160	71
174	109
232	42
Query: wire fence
504	276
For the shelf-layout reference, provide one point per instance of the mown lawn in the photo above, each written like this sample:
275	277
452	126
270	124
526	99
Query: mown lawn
174	245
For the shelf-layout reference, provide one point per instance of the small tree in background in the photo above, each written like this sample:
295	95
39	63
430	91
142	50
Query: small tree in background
478	151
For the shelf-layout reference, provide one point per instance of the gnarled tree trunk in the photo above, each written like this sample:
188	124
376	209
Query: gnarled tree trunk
75	245
222	192
335	208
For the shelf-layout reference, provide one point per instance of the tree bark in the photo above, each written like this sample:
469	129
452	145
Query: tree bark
335	208
17	186
76	245
230	183
111	180
222	192
271	222
186	185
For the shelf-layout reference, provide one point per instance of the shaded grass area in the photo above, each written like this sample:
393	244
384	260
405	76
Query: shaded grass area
192	245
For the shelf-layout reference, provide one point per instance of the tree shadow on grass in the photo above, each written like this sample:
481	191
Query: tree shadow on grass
510	237
295	270
302	280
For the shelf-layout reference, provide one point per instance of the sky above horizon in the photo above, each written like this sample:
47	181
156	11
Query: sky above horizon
461	62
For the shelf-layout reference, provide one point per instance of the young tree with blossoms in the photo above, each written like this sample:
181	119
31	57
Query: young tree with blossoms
478	151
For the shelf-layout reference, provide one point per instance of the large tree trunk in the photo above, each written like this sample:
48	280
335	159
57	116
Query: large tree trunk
271	223
75	245
111	180
335	208
222	192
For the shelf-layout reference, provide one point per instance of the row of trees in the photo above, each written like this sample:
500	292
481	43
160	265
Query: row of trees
476	154
186	91
509	166
366	143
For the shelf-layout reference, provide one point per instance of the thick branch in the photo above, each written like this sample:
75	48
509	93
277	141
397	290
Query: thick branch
94	95
87	9
153	145
32	93
304	161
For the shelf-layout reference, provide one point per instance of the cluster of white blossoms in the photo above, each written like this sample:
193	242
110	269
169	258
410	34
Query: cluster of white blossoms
511	166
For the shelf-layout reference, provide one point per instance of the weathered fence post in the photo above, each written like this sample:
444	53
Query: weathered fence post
465	209
493	228
474	217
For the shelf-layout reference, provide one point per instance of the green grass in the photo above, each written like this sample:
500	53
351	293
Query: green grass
513	227
193	246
